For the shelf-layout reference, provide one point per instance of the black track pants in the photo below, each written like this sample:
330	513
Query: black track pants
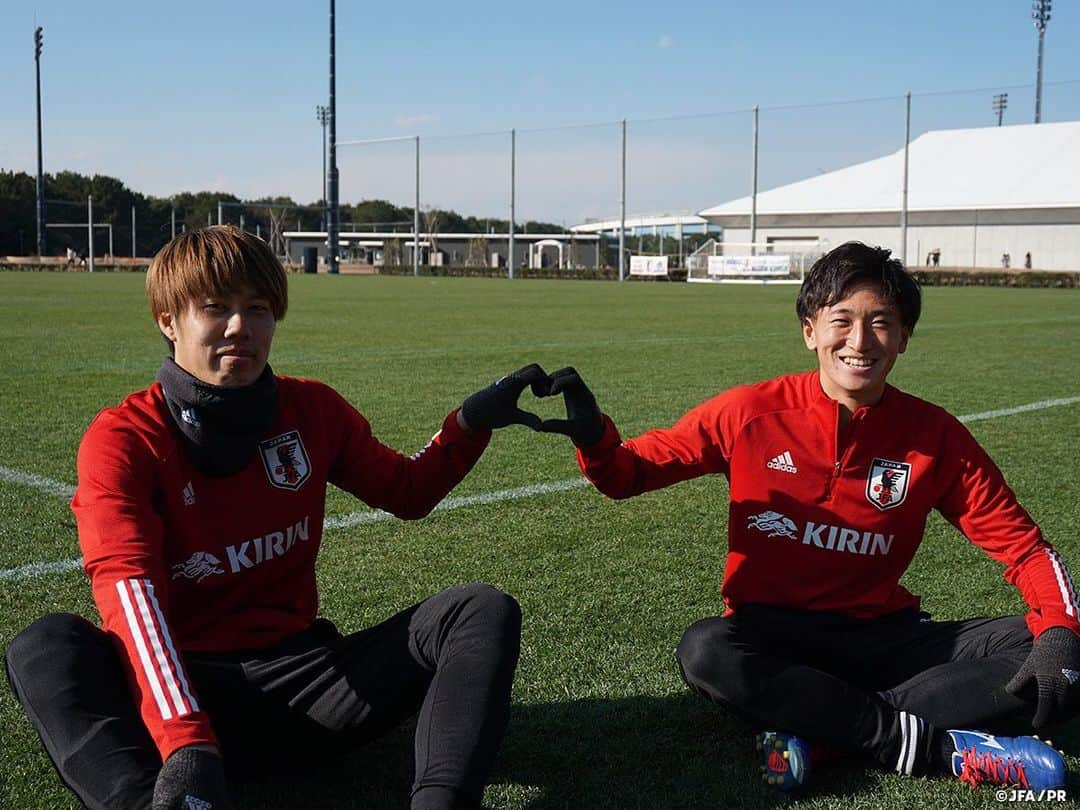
451	658
875	685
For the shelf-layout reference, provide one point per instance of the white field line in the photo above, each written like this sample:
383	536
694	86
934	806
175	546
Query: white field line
1034	406
46	485
375	516
369	516
41	569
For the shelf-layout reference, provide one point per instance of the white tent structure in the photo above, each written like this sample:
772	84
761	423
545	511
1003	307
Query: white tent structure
974	195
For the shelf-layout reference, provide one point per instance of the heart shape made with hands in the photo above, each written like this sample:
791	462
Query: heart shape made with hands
497	405
584	422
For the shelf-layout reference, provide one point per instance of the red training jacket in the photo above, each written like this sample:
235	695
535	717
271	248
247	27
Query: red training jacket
829	522
184	562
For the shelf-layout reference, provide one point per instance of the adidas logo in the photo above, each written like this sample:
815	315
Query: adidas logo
1071	675
783	462
189	495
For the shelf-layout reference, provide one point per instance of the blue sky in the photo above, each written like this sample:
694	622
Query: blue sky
173	97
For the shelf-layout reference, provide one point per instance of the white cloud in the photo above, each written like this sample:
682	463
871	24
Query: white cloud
417	120
665	41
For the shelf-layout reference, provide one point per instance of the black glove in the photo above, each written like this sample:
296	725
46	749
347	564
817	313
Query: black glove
1054	666
191	773
496	406
584	423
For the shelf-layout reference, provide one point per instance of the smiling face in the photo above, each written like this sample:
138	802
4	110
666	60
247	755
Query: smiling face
857	340
222	339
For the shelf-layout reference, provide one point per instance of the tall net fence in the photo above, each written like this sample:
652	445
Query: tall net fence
657	175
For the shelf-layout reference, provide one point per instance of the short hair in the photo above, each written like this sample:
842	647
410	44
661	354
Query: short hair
834	274
212	261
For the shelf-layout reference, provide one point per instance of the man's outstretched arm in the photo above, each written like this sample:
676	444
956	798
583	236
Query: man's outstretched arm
694	446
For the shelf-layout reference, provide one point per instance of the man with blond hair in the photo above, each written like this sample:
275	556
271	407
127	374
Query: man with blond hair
200	508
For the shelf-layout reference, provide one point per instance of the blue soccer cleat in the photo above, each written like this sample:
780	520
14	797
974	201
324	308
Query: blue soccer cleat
1027	762
787	759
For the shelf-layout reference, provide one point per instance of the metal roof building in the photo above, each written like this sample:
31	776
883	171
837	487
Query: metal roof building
646	223
974	196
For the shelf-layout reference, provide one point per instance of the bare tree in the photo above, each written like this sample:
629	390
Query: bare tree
277	219
477	256
432	217
392	253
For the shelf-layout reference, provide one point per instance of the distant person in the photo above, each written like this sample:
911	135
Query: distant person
200	508
937	257
1006	260
1027	260
833	474
70	256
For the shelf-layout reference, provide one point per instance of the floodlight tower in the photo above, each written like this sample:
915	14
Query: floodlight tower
40	176
1001	101
323	115
1040	13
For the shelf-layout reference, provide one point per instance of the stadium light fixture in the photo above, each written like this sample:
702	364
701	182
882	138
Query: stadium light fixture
1001	101
1040	13
40	175
322	113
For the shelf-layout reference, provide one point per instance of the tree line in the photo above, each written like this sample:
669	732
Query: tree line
66	202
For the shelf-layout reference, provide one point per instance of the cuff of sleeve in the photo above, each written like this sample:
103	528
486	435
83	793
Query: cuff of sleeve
608	439
195	730
453	432
1038	623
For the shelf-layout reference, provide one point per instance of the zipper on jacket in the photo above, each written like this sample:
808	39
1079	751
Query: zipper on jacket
845	446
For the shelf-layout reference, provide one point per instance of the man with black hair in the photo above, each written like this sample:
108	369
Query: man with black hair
832	476
200	512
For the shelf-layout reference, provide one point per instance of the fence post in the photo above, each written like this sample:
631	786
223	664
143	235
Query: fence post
753	189
903	210
90	231
416	217
622	209
513	192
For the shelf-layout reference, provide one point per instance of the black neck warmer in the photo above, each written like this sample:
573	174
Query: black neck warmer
221	426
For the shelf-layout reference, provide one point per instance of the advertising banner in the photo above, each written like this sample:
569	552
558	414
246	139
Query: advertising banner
648	265
771	265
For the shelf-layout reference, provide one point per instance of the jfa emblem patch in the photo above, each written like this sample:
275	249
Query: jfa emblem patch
887	483
286	460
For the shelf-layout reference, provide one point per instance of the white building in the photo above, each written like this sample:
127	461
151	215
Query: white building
974	195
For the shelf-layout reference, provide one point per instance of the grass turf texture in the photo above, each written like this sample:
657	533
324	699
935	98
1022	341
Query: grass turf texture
600	716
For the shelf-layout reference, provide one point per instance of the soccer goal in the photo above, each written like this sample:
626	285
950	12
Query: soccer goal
771	262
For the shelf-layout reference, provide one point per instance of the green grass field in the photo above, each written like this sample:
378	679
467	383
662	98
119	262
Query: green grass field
600	717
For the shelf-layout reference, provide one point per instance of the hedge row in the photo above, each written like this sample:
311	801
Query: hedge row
606	273
944	277
953	277
591	274
99	267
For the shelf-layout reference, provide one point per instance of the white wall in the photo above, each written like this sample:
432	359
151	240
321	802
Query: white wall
1052	247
